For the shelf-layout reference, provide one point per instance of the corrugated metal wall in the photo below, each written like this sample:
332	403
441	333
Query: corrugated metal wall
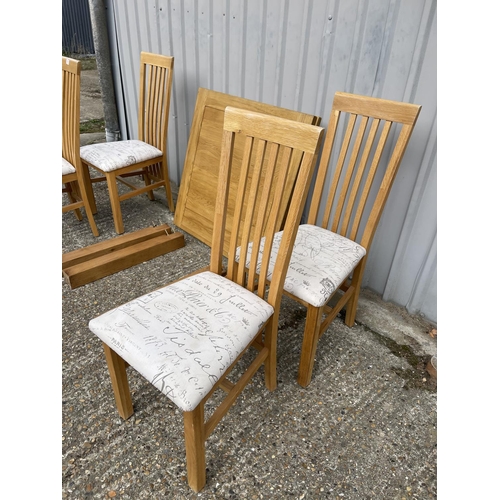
296	54
76	27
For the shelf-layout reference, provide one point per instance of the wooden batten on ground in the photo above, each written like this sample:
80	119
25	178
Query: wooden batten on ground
108	257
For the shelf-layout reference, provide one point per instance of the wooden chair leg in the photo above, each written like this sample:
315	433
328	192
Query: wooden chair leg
147	182
92	223
88	210
88	187
168	188
194	435
70	189
115	202
118	374
270	341
309	344
352	304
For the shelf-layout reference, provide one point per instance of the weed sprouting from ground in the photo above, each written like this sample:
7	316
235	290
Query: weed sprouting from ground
92	126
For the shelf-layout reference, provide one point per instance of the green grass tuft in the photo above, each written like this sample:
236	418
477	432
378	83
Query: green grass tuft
92	126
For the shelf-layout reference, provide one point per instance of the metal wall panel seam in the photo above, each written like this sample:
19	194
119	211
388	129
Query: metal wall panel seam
147	6
211	47
184	65
325	58
262	50
243	48
121	108
226	45
280	63
355	50
173	125
330	35
383	60
128	66
305	45
423	283
421	43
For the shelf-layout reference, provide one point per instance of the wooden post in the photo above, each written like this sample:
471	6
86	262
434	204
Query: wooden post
118	374
194	434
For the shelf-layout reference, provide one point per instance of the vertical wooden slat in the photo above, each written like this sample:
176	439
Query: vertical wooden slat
273	221
387	181
359	175
250	209
338	170
348	173
221	202
261	216
290	231
153	104
64	92
323	167
167	105
150	103
242	186
155	101
142	103
159	123
369	180
159	100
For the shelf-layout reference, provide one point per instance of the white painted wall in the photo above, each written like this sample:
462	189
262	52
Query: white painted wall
297	54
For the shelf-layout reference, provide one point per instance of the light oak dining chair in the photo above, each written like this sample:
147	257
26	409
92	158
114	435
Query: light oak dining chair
187	337
145	157
358	164
72	174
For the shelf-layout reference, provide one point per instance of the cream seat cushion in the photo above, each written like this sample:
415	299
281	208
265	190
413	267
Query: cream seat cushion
67	168
109	156
321	260
183	337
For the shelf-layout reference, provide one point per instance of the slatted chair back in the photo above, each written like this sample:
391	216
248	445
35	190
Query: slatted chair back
355	202
263	171
74	182
156	76
71	110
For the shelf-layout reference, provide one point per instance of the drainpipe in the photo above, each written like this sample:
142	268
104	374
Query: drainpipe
103	60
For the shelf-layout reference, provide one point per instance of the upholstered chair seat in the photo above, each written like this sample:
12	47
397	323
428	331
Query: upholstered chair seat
183	337
109	156
321	261
67	168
